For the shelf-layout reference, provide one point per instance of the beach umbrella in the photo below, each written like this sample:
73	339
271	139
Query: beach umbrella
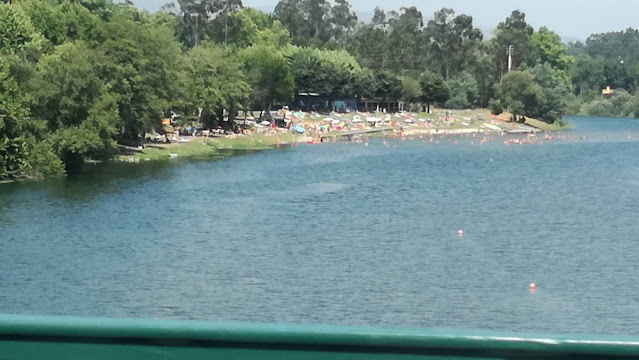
408	120
335	121
265	122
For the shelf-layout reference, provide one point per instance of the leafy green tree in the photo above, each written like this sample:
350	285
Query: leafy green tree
17	33
140	66
291	14
388	86
519	93
516	32
213	81
550	49
327	72
13	148
452	41
70	96
268	74
434	89
317	13
463	91
61	23
483	70
276	35
411	89
554	92
370	42
249	27
618	45
587	73
406	40
195	18
343	20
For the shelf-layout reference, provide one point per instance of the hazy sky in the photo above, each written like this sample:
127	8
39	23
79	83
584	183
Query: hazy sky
572	19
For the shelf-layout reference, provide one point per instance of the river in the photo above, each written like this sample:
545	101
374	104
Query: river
343	234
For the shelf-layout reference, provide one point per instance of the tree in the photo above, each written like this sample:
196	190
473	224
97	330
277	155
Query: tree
343	20
327	72
554	91
140	66
212	80
388	86
587	74
70	96
370	43
452	41
463	91
268	74
515	32
13	110
550	49
519	93
406	40
411	89
290	14
317	14
434	89
17	33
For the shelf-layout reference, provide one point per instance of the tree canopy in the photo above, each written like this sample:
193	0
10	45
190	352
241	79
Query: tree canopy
80	77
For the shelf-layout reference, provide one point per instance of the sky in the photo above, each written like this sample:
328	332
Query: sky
572	19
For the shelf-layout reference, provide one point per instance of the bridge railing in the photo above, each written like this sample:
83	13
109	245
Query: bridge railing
51	338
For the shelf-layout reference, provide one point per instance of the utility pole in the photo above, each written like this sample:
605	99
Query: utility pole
510	57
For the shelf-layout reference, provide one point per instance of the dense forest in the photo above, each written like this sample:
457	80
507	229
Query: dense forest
78	77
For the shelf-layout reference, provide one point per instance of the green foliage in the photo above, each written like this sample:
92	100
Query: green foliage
212	80
388	86
554	91
268	74
550	49
78	76
327	72
516	32
70	96
411	89
463	91
17	33
140	65
519	93
537	93
434	88
452	41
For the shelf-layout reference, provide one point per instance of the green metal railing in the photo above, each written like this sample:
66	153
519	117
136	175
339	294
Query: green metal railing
29	337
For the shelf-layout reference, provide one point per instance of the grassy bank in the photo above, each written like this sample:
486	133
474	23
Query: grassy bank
208	147
556	126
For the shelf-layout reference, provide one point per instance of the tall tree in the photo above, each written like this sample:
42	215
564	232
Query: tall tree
463	91
70	96
515	32
291	14
519	93
406	40
370	42
434	89
343	20
268	74
140	66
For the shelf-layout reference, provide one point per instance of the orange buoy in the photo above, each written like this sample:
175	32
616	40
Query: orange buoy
533	286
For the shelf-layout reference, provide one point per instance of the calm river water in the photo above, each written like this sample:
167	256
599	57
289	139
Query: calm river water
343	234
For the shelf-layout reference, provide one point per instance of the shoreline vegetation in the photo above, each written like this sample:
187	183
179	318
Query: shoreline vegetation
460	122
87	80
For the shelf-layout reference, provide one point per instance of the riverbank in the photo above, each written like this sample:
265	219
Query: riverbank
438	122
203	147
